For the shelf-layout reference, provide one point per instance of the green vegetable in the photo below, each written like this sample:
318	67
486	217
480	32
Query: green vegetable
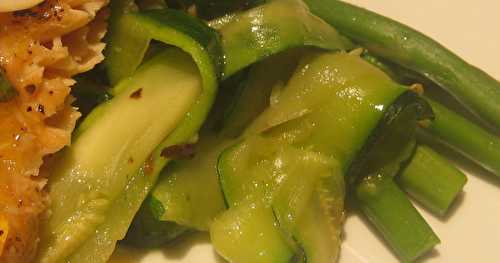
247	234
304	190
465	137
104	217
86	185
108	206
180	4
457	132
210	9
309	206
7	92
389	210
288	36
195	178
395	134
132	33
90	90
334	90
151	4
431	180
188	192
331	95
385	123
398	43
146	231
270	28
264	80
376	194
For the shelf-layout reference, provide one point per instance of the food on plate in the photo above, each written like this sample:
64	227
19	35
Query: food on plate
41	49
255	121
9	6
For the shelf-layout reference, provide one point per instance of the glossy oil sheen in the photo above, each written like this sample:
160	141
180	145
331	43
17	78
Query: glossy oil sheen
331	105
188	191
248	233
309	206
305	190
434	18
96	169
260	32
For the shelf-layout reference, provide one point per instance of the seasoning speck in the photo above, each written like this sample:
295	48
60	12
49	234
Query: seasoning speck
136	94
179	152
30	89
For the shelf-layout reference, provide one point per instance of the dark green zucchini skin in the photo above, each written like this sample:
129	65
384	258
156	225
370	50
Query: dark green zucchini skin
395	130
90	90
97	234
240	99
147	232
7	91
235	38
210	9
407	47
390	123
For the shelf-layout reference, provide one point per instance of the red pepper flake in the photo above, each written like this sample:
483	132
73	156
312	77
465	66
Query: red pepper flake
178	152
29	109
130	160
136	94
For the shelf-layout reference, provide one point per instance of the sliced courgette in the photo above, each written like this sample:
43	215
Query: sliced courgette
87	223
309	205
146	231
331	104
86	182
270	28
188	191
305	190
91	229
264	80
340	106
247	233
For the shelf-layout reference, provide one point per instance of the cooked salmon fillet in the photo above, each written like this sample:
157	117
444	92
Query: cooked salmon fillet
41	49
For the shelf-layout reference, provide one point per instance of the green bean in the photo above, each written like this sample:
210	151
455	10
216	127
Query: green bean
465	137
432	180
388	208
404	46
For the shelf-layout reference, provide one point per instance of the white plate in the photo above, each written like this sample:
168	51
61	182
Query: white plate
472	232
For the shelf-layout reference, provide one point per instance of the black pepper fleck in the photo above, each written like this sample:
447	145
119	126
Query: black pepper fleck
30	89
136	94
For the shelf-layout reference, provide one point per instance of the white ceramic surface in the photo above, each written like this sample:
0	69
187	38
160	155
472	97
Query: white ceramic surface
472	232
